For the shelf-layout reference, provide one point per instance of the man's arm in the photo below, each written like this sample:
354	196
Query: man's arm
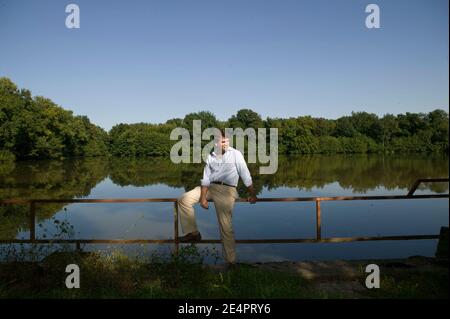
244	173
205	184
203	200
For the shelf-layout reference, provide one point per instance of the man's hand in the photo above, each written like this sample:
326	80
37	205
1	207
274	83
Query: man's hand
252	198
204	202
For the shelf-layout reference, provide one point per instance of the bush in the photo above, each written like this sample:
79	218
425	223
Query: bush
7	156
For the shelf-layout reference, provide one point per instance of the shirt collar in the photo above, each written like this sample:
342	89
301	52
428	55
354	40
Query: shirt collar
229	148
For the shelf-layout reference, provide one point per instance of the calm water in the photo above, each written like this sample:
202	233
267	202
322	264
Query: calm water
332	175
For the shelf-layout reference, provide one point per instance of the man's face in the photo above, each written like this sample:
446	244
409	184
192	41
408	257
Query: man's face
223	142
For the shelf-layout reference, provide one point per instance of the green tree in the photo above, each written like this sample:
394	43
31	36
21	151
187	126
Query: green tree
208	120
38	128
245	118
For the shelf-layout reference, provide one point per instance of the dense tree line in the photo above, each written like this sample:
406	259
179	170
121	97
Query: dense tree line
360	132
35	127
38	128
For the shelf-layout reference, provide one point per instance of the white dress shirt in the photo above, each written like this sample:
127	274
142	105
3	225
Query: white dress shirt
226	168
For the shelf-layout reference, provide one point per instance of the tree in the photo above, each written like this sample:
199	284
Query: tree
344	127
389	128
245	118
438	122
208	119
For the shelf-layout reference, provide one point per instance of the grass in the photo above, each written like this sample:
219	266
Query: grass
400	283
118	276
185	276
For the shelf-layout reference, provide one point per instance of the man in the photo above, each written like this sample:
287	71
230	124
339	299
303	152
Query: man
220	178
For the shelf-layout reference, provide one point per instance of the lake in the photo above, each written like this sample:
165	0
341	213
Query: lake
297	176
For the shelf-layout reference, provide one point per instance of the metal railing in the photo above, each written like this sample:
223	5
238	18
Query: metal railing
318	239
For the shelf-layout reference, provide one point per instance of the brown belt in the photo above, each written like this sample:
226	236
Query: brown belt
222	183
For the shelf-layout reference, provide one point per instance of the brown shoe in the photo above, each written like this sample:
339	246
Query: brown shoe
190	238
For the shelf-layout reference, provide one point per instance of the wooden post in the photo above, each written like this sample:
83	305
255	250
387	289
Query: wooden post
318	221
175	226
32	221
442	246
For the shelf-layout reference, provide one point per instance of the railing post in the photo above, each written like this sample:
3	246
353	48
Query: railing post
175	226
414	187
318	221
32	220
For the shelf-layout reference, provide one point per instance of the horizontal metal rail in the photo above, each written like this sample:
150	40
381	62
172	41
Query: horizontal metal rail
32	216
218	241
173	200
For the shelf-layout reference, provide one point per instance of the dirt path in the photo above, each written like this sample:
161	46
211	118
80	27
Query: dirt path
347	277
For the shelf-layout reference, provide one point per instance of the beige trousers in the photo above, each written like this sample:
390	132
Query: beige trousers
223	197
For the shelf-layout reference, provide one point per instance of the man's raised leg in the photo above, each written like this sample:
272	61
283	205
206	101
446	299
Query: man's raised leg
187	212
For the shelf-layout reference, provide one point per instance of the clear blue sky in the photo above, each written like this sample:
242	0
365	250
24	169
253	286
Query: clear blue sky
150	61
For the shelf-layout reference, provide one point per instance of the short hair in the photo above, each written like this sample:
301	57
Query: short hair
221	134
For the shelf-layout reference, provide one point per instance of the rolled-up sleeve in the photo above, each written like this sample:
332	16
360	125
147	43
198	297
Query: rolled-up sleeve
242	169
206	174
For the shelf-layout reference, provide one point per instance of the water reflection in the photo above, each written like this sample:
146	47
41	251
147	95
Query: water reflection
324	175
